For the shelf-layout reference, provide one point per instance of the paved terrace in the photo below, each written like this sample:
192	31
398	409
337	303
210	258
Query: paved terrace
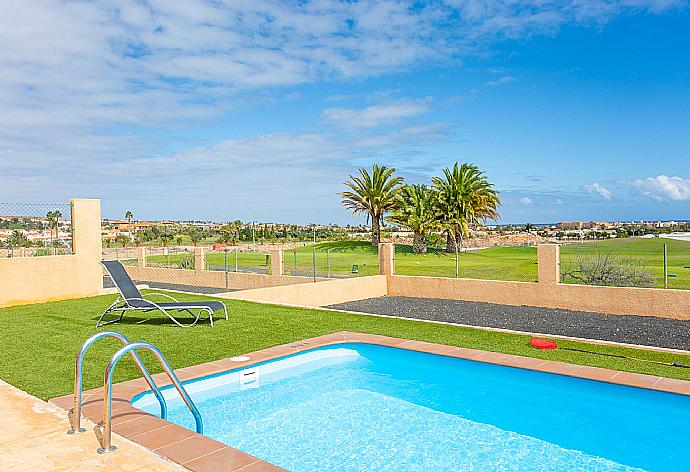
640	330
33	437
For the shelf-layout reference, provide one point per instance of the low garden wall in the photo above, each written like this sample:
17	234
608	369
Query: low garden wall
322	293
548	292
25	280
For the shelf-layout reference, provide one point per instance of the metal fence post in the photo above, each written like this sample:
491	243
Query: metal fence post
328	262
313	252
225	257
457	265
665	267
236	266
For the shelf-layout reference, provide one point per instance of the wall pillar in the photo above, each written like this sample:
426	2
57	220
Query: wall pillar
549	263
276	261
86	240
86	228
141	257
386	258
199	259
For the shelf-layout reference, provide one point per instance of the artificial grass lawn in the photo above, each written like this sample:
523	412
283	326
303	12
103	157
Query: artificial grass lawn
39	342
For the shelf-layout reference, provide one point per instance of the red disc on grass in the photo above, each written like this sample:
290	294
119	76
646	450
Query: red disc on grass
541	343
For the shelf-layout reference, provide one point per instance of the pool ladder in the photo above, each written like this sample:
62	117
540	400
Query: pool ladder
127	348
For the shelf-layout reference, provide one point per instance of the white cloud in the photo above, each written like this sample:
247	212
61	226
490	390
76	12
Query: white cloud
597	189
559	201
376	115
662	188
81	80
506	79
526	201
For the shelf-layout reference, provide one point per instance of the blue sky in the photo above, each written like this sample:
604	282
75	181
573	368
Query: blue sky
259	110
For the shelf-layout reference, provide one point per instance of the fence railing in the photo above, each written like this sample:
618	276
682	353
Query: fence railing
35	229
515	263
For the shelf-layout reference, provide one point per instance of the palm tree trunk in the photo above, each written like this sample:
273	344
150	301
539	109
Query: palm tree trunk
419	244
450	242
458	238
375	230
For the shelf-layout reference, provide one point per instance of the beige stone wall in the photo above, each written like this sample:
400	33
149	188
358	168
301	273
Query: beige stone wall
327	292
548	292
611	300
25	280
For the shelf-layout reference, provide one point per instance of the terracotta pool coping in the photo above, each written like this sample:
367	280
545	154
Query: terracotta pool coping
200	453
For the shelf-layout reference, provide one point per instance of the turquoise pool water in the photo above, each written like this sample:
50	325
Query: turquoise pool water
361	407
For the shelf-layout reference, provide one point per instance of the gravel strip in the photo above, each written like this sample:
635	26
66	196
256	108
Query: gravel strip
642	330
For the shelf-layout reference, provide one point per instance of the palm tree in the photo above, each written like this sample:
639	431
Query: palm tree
373	194
165	238
54	223
417	211
465	198
128	216
229	233
195	235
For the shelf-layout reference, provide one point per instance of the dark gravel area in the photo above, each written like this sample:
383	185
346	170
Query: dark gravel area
107	283
643	330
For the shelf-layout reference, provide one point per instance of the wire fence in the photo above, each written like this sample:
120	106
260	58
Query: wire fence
514	263
628	262
332	260
244	266
239	260
35	229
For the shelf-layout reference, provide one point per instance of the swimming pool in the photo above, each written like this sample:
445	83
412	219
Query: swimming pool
368	407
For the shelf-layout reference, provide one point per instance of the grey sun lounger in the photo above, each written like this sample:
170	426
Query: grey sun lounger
131	299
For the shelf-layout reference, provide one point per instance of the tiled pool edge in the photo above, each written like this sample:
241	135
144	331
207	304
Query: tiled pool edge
200	453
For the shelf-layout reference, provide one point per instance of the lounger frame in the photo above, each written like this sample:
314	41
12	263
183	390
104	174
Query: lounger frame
123	305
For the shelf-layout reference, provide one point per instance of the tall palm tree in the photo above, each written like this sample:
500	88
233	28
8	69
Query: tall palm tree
54	223
195	235
465	198
128	216
417	211
372	194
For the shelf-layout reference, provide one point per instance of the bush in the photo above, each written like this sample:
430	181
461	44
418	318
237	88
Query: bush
187	263
607	270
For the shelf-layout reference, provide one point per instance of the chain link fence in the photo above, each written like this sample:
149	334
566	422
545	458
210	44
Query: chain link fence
35	229
244	266
514	263
659	262
239	260
332	260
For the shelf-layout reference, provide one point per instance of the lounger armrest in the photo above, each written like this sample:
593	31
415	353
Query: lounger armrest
146	295
153	304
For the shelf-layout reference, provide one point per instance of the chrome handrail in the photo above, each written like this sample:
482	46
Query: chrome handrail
108	391
78	370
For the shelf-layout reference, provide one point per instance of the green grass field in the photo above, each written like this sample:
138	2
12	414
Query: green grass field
39	342
516	263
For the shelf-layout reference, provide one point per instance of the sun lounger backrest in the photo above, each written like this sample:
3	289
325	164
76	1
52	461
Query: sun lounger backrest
121	279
